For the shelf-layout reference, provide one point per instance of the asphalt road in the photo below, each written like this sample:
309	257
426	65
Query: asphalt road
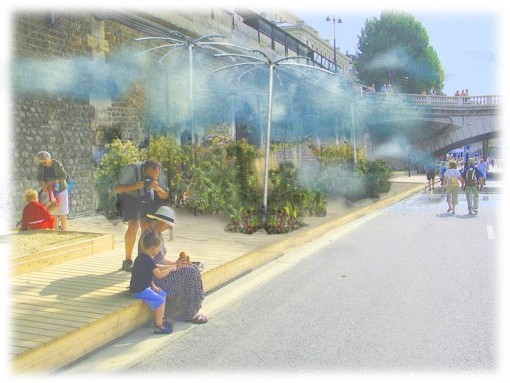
411	289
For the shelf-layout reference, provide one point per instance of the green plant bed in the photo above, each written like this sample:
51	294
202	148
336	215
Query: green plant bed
248	221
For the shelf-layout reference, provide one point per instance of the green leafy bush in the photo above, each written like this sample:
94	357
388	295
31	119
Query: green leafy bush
175	162
118	154
282	220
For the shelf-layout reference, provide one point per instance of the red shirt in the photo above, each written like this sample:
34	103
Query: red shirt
36	216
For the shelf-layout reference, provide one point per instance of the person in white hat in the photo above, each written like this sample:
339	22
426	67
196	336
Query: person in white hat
183	286
164	214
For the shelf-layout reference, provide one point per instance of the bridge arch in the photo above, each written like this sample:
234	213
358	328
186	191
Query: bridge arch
434	124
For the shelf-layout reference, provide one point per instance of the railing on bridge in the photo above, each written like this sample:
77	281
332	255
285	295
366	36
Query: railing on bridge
426	99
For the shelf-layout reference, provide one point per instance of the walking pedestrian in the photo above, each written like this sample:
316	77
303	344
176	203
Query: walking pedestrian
451	181
471	176
430	168
482	166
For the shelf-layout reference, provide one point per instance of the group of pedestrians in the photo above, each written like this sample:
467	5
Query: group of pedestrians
463	93
48	208
172	289
385	88
471	179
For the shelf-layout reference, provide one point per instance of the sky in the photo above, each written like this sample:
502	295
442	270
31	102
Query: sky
467	43
466	39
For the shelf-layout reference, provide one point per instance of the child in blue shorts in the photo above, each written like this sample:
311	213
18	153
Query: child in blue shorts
142	286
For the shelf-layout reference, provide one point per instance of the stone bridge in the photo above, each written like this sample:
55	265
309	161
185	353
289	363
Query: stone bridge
435	124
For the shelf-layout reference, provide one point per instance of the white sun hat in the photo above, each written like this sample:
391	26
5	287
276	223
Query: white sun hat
164	214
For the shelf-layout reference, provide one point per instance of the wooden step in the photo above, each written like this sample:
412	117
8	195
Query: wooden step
30	255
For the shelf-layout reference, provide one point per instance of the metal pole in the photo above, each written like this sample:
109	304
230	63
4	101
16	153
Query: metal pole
191	101
268	134
334	42
261	138
233	119
353	135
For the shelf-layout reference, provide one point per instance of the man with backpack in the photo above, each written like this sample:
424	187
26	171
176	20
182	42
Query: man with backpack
142	189
472	176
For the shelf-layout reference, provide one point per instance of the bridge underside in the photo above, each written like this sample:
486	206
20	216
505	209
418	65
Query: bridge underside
435	134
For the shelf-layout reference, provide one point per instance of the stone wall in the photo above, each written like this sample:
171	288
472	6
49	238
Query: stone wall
75	122
61	127
46	120
72	124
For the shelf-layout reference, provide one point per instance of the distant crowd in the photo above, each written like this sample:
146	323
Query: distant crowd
387	88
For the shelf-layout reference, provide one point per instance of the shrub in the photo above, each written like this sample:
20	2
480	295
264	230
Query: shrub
245	221
117	155
175	163
282	220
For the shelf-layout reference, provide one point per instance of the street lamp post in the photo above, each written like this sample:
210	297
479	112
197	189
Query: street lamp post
334	20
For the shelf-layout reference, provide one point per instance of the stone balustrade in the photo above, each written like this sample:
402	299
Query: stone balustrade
434	100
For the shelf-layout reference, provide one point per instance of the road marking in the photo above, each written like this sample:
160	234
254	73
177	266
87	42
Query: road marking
490	232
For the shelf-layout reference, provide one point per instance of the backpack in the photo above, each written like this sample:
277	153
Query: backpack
471	179
454	182
120	197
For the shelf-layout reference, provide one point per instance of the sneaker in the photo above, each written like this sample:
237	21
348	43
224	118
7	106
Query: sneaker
165	329
127	265
165	323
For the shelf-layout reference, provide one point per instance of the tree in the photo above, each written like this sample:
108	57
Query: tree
395	49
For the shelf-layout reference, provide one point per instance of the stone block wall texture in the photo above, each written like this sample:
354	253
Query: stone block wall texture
68	124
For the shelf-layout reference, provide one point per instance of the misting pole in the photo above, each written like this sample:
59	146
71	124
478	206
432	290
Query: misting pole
268	134
353	136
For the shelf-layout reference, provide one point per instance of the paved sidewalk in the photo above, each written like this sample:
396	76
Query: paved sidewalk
83	304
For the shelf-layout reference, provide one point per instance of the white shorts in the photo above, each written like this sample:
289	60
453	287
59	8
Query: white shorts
63	204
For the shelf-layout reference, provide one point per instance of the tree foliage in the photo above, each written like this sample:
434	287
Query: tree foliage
395	49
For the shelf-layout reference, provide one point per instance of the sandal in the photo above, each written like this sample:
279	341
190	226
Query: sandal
199	318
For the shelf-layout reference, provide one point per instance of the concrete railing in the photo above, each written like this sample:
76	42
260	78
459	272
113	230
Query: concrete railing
434	100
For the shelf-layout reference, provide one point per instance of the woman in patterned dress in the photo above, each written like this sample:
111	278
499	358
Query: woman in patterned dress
183	287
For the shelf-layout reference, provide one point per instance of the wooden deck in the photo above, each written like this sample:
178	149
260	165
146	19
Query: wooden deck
64	310
51	307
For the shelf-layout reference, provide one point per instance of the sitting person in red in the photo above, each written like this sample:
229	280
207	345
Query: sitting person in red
35	215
